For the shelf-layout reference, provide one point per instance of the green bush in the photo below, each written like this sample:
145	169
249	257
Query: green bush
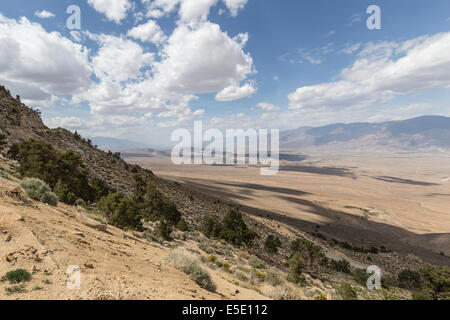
273	278
422	295
40	160
17	276
256	262
15	289
164	229
121	211
295	269
186	262
232	229
154	206
410	280
126	215
312	256
347	292
271	244
361	276
38	190
200	277
437	280
340	266
182	225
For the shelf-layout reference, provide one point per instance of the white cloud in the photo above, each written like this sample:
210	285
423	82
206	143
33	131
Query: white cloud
235	5
158	8
267	106
148	32
235	92
402	113
44	14
64	122
350	48
186	68
381	72
195	9
119	59
37	61
114	10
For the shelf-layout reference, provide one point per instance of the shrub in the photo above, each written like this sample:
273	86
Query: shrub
155	206
126	215
182	225
422	295
15	289
40	160
164	229
256	262
271	244
347	292
360	276
410	280
200	277
226	266
17	276
121	211
186	262
38	190
295	269
340	266
312	256
258	275
212	258
437	280
232	229
273	278
241	276
64	194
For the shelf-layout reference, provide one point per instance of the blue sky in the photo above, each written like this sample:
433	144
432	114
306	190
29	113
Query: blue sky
141	69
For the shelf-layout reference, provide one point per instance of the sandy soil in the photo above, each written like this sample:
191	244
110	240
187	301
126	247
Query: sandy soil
114	265
401	196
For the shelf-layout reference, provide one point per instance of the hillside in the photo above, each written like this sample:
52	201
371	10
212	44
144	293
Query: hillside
427	133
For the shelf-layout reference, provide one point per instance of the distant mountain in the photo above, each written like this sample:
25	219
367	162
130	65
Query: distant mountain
106	143
426	133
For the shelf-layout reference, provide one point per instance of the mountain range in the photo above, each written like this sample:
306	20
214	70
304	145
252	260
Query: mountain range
426	133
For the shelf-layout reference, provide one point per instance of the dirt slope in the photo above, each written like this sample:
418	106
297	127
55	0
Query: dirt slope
47	240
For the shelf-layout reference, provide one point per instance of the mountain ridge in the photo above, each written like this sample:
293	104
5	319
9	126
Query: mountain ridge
424	133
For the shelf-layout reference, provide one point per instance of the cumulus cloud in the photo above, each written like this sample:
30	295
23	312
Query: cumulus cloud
114	10
37	61
187	69
119	59
64	122
195	9
148	32
44	14
381	72
235	92
235	5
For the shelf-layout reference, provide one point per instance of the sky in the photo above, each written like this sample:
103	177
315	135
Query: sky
141	69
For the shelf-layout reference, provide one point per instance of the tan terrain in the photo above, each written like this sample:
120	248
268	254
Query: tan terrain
379	197
114	265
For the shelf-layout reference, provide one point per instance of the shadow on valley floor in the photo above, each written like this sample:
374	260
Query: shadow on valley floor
438	195
328	171
353	229
341	225
265	188
406	181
